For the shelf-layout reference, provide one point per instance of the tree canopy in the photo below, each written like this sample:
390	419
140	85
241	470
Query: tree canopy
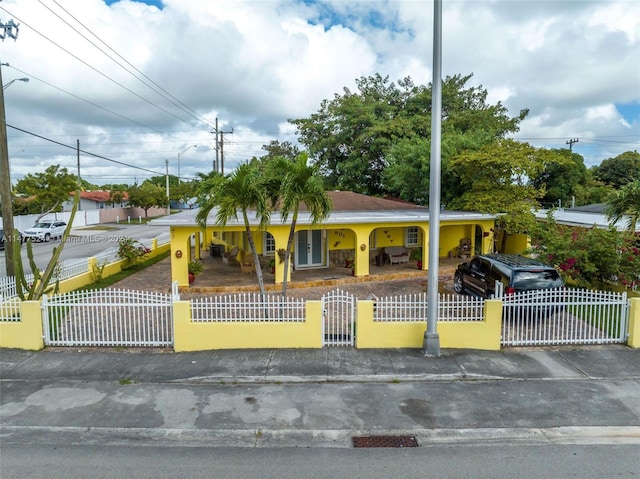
495	179
147	196
376	140
620	170
562	181
47	190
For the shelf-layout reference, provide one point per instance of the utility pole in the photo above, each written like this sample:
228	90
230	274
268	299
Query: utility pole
222	133
166	176
215	165
9	29
219	162
571	142
79	179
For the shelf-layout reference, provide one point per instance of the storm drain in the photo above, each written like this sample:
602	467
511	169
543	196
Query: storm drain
385	441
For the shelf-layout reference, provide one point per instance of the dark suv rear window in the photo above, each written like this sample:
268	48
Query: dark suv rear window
524	280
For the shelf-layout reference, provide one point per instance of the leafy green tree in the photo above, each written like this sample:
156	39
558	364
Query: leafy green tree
593	192
561	181
286	149
377	140
620	170
495	179
299	183
625	202
244	189
147	196
47	190
117	196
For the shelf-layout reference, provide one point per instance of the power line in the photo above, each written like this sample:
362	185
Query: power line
74	148
156	88
101	73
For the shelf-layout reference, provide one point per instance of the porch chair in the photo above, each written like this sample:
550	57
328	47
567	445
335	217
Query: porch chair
248	264
230	256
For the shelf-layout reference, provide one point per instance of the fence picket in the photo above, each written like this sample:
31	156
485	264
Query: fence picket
564	316
108	317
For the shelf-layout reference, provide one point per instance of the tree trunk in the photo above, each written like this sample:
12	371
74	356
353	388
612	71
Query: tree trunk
287	255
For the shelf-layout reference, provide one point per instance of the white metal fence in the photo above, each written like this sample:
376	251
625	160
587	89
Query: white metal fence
72	267
248	307
10	309
109	317
564	316
338	318
413	308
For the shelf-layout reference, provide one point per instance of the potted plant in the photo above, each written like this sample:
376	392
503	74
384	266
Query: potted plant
416	255
348	263
272	265
195	268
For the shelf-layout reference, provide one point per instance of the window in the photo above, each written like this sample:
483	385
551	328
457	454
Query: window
413	236
269	244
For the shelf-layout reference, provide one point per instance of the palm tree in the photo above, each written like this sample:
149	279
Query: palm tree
625	202
299	183
244	189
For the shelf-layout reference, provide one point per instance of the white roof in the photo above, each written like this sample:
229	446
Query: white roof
187	218
580	218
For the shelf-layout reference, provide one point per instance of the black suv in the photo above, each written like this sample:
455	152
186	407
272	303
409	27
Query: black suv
516	273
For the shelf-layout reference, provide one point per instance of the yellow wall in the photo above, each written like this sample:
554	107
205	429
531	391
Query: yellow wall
26	333
395	334
634	323
517	243
192	336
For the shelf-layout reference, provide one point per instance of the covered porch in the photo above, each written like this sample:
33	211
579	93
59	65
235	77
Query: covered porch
217	277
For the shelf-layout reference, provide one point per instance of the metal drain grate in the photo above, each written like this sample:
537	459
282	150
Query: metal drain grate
385	441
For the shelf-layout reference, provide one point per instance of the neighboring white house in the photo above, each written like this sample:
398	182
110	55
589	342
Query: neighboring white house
95	200
584	216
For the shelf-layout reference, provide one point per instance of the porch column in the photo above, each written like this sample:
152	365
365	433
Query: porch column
180	253
361	255
281	236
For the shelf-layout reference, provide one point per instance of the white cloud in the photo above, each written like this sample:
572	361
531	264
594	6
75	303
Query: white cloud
256	63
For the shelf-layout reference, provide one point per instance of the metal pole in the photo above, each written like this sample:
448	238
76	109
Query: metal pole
217	158
431	343
178	168
79	179
166	175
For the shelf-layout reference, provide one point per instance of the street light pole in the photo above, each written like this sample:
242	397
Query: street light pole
431	342
166	164
9	29
25	79
179	155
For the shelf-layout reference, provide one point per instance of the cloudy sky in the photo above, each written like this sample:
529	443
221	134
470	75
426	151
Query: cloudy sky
139	83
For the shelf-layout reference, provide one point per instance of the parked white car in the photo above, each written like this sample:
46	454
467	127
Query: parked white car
45	230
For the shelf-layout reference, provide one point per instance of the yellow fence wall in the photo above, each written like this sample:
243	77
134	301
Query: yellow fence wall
396	334
26	333
634	323
202	336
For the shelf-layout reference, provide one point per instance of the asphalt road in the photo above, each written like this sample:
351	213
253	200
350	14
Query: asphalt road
87	244
442	462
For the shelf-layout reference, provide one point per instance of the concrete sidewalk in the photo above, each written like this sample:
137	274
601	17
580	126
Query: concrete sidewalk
266	398
319	365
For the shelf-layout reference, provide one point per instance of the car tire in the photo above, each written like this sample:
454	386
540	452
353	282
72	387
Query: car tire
47	237
458	285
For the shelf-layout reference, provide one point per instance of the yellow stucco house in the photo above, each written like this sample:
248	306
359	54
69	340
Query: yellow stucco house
359	228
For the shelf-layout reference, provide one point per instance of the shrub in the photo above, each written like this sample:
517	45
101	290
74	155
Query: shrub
131	251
